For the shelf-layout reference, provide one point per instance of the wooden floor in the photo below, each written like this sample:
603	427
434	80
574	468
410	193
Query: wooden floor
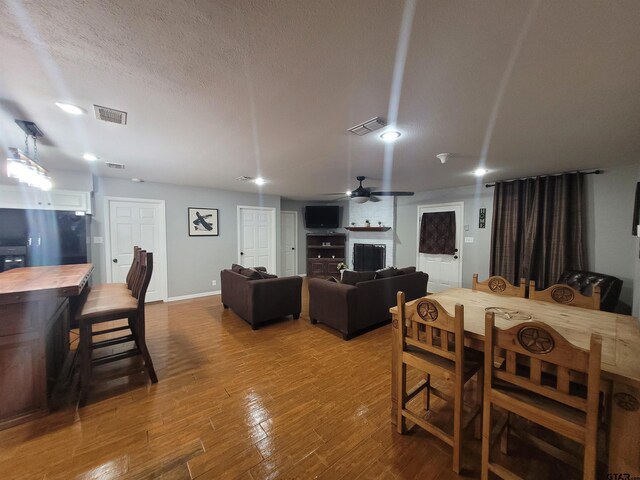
290	400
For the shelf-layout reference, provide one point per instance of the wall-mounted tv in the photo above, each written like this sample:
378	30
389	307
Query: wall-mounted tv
322	216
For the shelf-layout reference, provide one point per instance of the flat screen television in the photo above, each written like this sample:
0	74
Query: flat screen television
322	216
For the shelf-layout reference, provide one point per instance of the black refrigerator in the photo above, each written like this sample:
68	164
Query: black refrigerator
50	237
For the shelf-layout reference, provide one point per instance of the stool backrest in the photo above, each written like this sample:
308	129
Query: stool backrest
135	264
500	285
146	270
432	328
566	295
539	359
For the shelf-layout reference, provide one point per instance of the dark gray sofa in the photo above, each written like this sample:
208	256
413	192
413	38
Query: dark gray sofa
257	301
351	309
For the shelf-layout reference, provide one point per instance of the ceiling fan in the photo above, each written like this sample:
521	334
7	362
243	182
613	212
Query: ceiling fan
364	194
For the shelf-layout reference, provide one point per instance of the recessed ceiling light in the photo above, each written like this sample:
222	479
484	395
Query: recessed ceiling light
348	192
259	181
90	157
480	172
72	109
390	136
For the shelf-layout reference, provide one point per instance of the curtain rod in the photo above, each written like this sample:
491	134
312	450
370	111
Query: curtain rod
592	172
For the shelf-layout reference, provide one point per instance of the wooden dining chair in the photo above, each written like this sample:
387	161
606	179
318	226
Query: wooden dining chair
107	306
500	285
132	275
433	343
552	401
566	295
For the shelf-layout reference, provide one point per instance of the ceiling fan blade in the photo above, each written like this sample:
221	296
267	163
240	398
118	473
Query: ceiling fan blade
334	193
393	194
373	199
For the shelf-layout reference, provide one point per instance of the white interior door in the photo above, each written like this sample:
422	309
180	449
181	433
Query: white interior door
138	223
444	271
289	243
256	237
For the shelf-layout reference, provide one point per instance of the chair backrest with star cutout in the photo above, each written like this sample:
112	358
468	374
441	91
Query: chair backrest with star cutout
566	295
538	359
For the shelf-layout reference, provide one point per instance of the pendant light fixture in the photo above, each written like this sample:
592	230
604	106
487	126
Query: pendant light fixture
24	168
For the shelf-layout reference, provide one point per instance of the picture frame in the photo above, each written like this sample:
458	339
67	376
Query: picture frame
203	222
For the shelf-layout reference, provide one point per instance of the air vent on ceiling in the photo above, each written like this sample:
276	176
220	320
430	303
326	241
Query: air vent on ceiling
244	178
110	115
117	166
368	126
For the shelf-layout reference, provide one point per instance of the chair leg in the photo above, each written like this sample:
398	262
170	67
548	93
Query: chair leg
457	425
479	400
85	361
427	393
486	437
140	334
401	422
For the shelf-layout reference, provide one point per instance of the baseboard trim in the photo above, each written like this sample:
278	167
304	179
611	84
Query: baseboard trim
302	274
194	295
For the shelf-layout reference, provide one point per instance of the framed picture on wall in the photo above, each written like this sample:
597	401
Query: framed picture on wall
203	222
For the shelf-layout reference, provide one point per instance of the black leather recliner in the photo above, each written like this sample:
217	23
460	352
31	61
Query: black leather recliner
584	282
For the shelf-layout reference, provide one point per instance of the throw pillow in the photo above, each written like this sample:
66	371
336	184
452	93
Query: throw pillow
251	274
264	274
387	272
405	270
260	269
351	277
236	268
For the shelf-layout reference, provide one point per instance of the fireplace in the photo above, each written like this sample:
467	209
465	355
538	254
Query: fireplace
367	257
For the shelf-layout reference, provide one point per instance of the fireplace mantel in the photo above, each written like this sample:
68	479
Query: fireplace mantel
367	229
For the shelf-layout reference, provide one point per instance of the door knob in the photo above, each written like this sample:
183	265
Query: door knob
241	253
455	257
115	260
292	248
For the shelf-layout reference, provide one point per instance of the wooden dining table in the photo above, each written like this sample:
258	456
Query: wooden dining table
620	355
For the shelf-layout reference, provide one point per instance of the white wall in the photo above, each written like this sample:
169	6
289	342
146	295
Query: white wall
192	262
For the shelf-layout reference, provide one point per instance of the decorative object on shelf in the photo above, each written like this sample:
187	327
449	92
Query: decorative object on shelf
333	256
203	222
367	223
353	224
24	168
367	229
319	256
379	224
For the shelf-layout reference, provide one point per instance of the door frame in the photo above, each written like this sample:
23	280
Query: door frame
162	244
460	234
274	227
295	236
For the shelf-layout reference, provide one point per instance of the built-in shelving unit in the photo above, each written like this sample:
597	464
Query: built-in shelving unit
367	229
323	260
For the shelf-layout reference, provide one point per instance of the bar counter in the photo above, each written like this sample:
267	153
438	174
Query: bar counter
34	336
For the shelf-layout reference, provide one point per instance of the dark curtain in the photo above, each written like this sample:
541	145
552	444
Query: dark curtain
538	228
636	211
438	233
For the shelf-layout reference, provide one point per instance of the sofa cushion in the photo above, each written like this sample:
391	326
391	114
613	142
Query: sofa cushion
351	277
260	269
387	272
405	270
236	268
251	274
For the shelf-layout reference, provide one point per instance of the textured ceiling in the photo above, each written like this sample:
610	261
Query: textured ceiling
219	89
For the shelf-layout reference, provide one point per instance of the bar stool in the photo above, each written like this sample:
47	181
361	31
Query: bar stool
106	306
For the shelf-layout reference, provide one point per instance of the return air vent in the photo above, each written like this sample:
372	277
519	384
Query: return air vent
244	178
369	126
117	166
110	115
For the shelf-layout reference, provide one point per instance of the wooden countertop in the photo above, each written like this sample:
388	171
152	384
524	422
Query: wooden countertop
35	283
